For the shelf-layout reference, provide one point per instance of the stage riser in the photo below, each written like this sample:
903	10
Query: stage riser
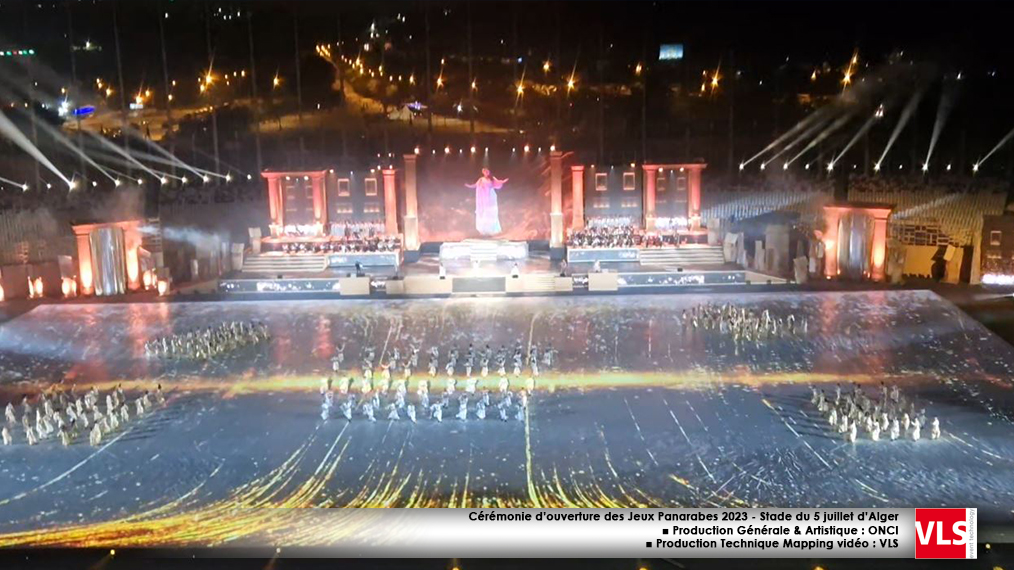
649	256
428	286
484	250
296	264
284	264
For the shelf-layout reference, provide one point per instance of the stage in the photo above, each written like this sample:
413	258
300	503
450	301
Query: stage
637	412
537	274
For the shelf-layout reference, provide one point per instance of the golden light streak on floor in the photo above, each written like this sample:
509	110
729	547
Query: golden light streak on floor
242	385
274	505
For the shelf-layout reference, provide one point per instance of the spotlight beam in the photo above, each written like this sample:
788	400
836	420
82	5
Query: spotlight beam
60	138
108	144
17	137
823	135
798	127
802	137
12	183
1002	142
172	159
906	115
947	100
862	131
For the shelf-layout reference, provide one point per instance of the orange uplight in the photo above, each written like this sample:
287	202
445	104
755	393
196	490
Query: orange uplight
85	268
146	279
163	287
68	287
2	296
35	288
133	267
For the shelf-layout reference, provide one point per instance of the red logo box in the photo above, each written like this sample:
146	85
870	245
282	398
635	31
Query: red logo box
945	533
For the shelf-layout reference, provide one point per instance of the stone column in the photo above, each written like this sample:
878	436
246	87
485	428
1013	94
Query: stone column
411	219
577	196
390	203
319	201
694	195
832	215
84	260
276	207
878	255
650	180
556	199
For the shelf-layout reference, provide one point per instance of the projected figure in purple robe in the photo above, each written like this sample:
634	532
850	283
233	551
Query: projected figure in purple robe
487	213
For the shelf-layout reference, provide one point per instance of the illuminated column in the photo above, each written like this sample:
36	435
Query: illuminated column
879	252
131	242
84	259
556	199
832	215
390	203
694	195
411	219
650	176
275	203
319	206
577	196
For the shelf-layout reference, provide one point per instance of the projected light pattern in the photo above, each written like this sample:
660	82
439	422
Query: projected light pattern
639	412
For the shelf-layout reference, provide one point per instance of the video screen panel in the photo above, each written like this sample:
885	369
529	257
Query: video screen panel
457	202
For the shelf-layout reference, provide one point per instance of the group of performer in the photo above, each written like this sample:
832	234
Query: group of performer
202	344
344	244
886	415
368	398
743	324
621	232
473	360
388	391
606	236
59	413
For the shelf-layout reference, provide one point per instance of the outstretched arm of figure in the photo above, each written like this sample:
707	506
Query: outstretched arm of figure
471	185
497	183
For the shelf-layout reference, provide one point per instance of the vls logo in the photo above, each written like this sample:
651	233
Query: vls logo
945	533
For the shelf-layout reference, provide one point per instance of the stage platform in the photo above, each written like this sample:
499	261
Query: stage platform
294	264
688	254
484	250
636	410
538	275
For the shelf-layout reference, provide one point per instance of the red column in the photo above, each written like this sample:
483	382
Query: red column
878	254
650	176
390	203
694	195
319	204
411	204
832	215
556	198
275	205
577	196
